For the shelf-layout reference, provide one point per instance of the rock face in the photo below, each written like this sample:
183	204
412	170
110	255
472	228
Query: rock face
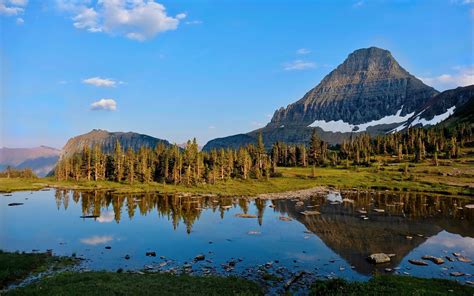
40	159
107	140
369	92
367	86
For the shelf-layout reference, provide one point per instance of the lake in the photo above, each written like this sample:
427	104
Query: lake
326	236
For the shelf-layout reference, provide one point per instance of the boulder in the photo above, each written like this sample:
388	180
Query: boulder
379	258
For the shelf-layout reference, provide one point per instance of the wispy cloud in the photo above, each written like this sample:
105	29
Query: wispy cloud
299	65
104	104
196	22
211	127
462	76
100	82
97	240
20	21
138	19
12	7
303	51
358	4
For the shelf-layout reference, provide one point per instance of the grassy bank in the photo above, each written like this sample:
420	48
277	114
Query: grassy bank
455	178
108	283
391	285
16	266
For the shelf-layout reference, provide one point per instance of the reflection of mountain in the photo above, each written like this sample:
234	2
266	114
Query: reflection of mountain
344	231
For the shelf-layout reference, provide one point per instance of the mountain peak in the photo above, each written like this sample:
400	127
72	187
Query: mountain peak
367	86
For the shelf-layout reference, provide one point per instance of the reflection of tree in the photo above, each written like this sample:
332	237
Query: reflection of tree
58	197
187	209
260	204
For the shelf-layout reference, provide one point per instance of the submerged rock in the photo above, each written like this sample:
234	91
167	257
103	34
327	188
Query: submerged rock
418	262
199	257
127	257
151	254
379	258
253	232
433	259
464	259
456	273
245	216
309	213
284	218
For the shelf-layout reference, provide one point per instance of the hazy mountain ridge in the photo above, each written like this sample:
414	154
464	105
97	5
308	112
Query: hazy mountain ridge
40	159
107	141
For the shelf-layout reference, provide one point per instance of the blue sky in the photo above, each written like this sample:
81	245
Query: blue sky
205	69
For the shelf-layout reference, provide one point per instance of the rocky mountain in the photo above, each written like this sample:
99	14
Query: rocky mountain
369	92
452	106
40	159
106	140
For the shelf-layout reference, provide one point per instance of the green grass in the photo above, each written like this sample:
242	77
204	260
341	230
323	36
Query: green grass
17	266
453	177
108	283
391	285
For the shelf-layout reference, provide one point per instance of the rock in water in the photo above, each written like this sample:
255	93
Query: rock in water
151	254
433	259
13	204
418	262
199	257
379	258
464	259
245	216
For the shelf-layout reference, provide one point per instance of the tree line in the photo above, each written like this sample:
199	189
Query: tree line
188	166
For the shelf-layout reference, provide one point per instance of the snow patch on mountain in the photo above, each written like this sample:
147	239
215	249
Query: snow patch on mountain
345	127
424	122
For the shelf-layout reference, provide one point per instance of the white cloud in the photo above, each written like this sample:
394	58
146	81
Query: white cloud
135	19
12	7
20	21
299	65
462	77
104	104
97	240
212	127
197	22
100	82
303	51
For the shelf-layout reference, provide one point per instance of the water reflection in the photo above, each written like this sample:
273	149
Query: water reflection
331	235
407	220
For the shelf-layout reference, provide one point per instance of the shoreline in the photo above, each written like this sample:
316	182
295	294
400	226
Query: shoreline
40	278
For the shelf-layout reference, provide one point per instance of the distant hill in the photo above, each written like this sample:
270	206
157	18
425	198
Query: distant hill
40	159
369	92
106	140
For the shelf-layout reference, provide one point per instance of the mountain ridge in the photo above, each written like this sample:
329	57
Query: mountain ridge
369	92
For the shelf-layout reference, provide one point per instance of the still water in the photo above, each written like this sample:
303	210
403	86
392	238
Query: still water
326	236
